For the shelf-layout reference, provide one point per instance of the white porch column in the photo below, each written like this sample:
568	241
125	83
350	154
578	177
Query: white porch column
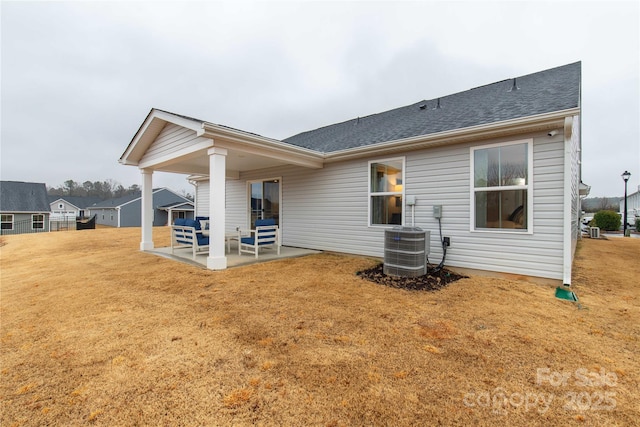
147	210
217	259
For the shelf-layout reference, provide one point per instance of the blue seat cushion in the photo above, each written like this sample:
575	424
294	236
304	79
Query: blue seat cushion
192	223
263	222
179	221
202	240
248	240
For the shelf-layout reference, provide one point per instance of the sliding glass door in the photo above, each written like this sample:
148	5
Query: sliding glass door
264	200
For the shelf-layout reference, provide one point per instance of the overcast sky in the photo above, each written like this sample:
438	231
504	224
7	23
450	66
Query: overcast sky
78	78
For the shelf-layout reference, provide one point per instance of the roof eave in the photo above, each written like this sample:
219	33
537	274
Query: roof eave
249	141
139	144
455	136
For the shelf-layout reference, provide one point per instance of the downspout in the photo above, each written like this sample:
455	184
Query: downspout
566	221
118	216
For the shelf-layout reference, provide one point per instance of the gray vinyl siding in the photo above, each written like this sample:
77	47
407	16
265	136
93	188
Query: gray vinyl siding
327	209
106	216
23	222
172	139
131	212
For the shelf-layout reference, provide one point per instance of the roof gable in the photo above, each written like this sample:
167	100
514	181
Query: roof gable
80	202
120	201
18	196
151	128
547	91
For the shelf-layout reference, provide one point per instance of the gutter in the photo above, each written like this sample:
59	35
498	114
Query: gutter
538	122
212	130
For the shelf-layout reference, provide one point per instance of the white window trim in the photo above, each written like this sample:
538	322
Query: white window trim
33	221
248	199
529	187
12	221
386	193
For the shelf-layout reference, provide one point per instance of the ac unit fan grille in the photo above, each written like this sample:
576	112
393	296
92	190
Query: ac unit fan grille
405	251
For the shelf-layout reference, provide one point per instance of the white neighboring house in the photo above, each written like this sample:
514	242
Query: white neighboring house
70	207
633	207
501	162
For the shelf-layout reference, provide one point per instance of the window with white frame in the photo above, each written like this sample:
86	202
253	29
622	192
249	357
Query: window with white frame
6	221
37	221
501	186
386	191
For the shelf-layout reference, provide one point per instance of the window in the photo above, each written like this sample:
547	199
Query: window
501	182
60	206
37	221
6	221
386	191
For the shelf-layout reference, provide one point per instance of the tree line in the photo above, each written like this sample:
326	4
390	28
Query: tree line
106	189
596	204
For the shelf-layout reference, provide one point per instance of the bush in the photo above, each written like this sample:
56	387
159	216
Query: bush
637	223
607	220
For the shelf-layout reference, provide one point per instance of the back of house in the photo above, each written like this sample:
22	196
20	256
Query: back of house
24	207
495	169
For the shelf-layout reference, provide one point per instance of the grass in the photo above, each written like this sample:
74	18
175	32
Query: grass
95	332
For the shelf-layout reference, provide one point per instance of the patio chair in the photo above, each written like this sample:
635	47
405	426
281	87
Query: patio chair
265	234
186	233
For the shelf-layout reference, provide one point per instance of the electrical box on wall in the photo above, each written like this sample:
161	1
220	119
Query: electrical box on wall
437	211
411	200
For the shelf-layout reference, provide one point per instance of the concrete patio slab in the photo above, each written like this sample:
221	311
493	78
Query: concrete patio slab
185	255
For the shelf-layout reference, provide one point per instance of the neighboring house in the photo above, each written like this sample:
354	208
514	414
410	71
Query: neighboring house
126	211
24	207
179	210
70	207
633	207
501	162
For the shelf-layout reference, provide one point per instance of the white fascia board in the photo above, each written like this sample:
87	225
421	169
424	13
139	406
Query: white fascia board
537	122
198	178
260	145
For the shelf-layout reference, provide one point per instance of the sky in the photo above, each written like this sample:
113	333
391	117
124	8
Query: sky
78	78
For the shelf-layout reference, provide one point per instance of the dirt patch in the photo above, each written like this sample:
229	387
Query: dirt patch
95	332
434	280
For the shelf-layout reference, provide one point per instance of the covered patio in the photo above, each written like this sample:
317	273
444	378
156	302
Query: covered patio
233	259
174	143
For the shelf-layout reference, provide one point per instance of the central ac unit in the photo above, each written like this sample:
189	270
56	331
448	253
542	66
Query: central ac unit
405	251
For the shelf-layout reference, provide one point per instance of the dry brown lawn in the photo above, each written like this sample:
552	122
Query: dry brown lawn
95	332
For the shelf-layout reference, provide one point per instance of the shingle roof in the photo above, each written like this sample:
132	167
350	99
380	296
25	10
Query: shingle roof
543	92
17	196
113	203
77	201
119	201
